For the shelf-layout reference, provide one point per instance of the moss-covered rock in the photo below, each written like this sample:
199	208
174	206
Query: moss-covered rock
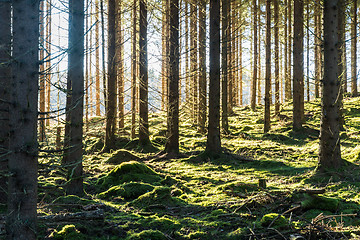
130	190
159	196
68	232
148	235
320	202
280	221
129	172
121	156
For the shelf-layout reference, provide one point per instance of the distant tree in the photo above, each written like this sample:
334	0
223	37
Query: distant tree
298	68
21	220
133	69
354	10
143	82
317	51
268	67
255	58
308	49
111	100
97	60
74	153
277	59
42	73
5	80
288	62
194	59
172	143
48	60
213	144
120	63
330	154
225	33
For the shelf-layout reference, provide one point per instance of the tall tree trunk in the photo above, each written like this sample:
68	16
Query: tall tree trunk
172	143
288	78
143	70
224	65
23	151
255	59
133	70
120	64
103	50
342	60
317	51
111	79
97	59
165	60
187	54
5	80
240	62
193	59
330	154
268	67
87	65
42	73
48	61
286	39
213	144
298	55
308	50
202	66
354	9
276	51
76	77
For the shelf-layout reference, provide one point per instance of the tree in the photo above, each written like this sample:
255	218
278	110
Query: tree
276	51
329	153
120	63
298	68
193	59
133	70
288	62
73	161
23	146
5	79
213	144
225	29
354	10
172	143
255	42
42	73
97	61
143	69
317	51
111	79
268	67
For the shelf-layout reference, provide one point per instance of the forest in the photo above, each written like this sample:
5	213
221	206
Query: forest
179	119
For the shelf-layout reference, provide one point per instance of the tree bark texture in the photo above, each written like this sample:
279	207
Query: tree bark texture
225	29
255	58
354	9
268	67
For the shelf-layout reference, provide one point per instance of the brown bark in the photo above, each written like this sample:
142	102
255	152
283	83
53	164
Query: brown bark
225	8
48	61
308	50
255	59
317	51
133	71
268	67
97	63
354	9
288	77
21	219
193	60
120	64
42	74
276	52
298	69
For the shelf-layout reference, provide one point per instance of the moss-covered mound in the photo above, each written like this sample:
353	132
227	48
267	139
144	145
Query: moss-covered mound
158	196
148	235
239	187
320	202
127	191
274	218
72	199
121	156
129	172
68	232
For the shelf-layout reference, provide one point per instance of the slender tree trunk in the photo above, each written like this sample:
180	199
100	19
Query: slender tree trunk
318	68
111	79
255	59
298	55
143	69
342	61
133	71
330	154
224	65
76	77
193	59
268	67
164	65
187	54
308	50
288	78
276	51
42	73
5	83
354	9
202	66
97	59
120	64
259	78
87	56
23	151
48	61
172	144
213	144
286	40
240	63
103	50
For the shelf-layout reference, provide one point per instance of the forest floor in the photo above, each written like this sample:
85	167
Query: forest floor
133	193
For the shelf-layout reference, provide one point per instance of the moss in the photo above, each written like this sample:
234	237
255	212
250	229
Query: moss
320	202
159	196
199	235
68	232
129	172
95	146
121	156
130	190
148	235
164	224
239	187
237	234
280	222
72	199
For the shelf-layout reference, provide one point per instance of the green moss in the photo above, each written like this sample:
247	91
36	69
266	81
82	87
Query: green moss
121	156
237	234
320	202
164	224
130	190
280	222
199	235
129	172
159	196
68	232
148	235
239	187
72	199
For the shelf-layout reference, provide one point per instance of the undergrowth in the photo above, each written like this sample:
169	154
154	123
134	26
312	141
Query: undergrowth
145	197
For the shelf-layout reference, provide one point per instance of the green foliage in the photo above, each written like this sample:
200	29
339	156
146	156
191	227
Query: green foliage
68	232
148	235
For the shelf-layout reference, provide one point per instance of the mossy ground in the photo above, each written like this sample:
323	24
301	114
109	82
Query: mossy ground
183	198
